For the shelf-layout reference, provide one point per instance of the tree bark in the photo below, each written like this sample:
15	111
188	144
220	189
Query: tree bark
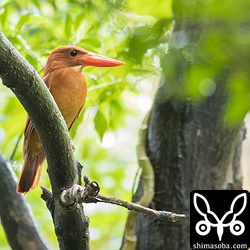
189	146
188	152
13	207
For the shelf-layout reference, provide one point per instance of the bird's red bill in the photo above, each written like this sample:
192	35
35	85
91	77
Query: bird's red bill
92	59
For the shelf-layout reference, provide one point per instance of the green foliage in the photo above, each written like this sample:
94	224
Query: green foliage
147	37
210	39
105	134
157	8
101	123
239	104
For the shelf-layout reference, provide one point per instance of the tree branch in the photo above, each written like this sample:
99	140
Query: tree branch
162	215
13	208
90	194
18	75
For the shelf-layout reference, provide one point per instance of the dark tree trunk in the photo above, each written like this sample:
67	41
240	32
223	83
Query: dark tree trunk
189	146
189	149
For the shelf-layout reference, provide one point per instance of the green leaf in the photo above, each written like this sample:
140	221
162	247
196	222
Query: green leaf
4	13
90	43
197	78
156	8
239	103
101	124
23	20
79	19
68	25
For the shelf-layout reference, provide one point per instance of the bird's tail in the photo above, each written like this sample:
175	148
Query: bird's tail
30	174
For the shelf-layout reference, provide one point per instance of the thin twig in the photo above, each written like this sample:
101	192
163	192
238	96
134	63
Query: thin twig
90	194
162	215
16	146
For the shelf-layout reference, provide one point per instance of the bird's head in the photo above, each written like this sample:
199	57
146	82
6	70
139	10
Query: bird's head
74	56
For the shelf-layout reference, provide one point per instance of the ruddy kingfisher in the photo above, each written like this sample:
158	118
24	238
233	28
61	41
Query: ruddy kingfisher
64	79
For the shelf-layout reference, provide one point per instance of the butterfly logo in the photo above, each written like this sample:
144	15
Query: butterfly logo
210	219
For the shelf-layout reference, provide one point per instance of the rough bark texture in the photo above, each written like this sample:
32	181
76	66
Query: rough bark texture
188	145
188	152
13	210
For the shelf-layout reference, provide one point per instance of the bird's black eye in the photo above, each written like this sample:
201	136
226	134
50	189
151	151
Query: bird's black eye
73	52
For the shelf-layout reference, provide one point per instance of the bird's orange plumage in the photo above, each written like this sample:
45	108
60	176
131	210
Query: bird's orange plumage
63	76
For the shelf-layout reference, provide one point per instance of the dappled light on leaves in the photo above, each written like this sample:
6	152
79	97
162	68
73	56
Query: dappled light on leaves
105	135
207	87
108	140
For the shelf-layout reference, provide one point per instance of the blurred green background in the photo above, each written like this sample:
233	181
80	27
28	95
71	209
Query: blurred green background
105	135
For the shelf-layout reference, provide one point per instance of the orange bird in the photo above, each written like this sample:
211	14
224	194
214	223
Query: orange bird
64	79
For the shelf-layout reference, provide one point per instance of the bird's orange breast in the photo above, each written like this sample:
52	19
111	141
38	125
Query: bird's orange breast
69	89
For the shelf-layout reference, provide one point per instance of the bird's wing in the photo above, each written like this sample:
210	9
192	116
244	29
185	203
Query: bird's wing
46	80
29	127
79	112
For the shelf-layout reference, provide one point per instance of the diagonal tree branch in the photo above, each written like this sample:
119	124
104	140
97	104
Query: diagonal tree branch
13	207
18	75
